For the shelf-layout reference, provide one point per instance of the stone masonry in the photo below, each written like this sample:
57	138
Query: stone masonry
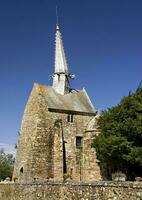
52	147
57	131
72	191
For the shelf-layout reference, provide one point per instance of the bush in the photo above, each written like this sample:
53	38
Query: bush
119	144
6	165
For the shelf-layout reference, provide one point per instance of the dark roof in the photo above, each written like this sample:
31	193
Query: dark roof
75	101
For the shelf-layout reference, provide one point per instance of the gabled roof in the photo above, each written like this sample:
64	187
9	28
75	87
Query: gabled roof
76	101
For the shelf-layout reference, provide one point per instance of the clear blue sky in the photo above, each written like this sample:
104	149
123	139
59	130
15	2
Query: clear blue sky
103	44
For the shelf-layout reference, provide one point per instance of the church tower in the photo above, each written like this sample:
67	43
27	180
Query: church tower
57	130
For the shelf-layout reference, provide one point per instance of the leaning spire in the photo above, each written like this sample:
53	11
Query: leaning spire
61	76
60	58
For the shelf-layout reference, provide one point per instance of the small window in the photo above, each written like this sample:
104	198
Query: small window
71	171
70	118
21	170
78	142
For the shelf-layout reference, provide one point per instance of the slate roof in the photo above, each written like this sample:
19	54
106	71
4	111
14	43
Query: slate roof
76	101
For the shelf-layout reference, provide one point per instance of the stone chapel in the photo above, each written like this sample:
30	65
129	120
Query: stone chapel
57	131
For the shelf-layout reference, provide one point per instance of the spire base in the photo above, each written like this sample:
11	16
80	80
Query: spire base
60	83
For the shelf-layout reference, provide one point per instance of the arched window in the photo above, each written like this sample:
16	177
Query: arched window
21	170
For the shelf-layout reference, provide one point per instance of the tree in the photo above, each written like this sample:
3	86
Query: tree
119	144
6	165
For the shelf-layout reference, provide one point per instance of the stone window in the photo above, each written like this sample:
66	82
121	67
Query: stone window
70	118
78	142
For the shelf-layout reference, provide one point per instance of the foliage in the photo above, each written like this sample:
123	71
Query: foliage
6	165
119	144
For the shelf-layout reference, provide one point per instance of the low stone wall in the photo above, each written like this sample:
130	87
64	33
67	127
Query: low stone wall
72	191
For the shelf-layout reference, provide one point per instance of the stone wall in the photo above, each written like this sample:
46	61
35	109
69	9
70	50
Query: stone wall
72	191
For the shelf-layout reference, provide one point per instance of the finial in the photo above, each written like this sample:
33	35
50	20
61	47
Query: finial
57	18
